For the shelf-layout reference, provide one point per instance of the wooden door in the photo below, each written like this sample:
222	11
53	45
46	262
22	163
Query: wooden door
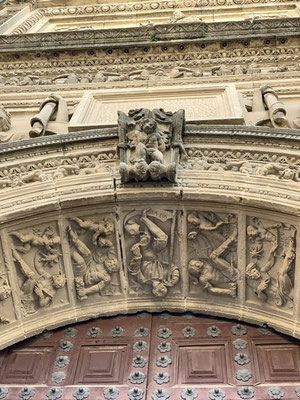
157	357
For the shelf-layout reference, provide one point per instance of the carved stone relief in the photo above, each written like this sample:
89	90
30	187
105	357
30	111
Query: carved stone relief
6	310
150	144
212	258
94	256
152	251
271	250
37	255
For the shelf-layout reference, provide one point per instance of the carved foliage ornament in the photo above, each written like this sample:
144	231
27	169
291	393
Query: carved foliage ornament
150	144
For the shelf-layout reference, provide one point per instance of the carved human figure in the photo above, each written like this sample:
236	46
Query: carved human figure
94	267
47	242
179	17
284	283
212	243
257	233
146	265
255	272
209	277
5	119
37	282
53	117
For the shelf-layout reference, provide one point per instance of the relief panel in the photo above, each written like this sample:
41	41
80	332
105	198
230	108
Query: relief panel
94	256
7	313
271	250
152	251
212	253
38	262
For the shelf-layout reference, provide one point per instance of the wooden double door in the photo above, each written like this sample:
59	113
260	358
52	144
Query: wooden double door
157	357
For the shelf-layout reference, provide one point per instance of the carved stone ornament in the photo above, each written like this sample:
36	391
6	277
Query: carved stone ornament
189	394
135	394
111	393
54	393
150	144
160	394
53	117
3	392
81	393
276	393
150	238
213	265
216	394
94	255
26	393
246	392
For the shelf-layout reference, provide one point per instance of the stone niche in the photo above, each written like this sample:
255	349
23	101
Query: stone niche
208	105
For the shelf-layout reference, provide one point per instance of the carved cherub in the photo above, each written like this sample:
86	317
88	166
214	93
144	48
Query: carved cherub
257	233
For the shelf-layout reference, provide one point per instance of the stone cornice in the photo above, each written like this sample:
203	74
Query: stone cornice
160	34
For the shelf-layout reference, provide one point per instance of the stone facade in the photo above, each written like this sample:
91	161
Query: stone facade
149	162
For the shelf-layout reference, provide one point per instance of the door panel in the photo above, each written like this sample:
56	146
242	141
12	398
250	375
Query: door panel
159	357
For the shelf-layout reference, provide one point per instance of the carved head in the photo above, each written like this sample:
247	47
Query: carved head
156	170
193	219
5	119
149	125
141	170
159	289
5	290
112	265
194	267
49	231
132	228
252	231
145	238
59	280
252	272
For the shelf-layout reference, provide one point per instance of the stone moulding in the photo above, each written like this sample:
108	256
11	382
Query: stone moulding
173	237
146	34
